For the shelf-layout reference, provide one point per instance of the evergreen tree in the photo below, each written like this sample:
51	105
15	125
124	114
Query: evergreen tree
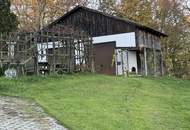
8	20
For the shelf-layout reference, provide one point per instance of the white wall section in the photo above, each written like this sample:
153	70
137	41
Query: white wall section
132	57
125	60
42	48
122	40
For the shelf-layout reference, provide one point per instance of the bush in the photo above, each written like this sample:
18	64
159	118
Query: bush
2	70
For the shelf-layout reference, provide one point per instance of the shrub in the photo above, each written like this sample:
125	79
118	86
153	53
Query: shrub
2	70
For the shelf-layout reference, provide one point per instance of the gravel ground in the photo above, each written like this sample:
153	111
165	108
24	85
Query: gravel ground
18	114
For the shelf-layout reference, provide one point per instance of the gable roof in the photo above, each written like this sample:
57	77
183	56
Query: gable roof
140	26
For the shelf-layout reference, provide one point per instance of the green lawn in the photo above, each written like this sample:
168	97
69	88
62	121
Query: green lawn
97	102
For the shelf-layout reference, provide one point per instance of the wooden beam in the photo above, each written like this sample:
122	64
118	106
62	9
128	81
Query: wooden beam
162	64
145	62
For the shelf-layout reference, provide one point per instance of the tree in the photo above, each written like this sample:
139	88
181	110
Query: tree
169	17
137	10
107	6
172	20
8	20
35	14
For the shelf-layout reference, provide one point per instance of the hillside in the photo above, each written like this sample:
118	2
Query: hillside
97	102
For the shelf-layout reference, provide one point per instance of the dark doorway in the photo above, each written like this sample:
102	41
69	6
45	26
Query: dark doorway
104	54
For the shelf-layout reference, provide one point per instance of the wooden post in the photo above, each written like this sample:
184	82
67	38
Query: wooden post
121	51
66	55
1	55
154	56
145	62
36	54
92	56
116	66
54	64
127	53
71	57
79	53
9	49
17	52
26	58
162	64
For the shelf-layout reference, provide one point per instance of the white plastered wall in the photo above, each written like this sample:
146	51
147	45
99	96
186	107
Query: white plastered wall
122	40
132	60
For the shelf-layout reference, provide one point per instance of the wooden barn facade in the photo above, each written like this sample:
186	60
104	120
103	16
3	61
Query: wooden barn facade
120	46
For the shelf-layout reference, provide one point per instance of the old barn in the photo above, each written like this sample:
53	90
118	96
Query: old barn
120	46
86	39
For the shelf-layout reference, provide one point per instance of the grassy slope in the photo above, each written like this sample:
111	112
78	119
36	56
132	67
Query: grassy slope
97	102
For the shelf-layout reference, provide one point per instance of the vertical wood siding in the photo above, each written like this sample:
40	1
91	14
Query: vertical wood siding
97	24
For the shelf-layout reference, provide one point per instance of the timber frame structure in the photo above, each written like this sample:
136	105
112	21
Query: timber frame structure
85	39
141	44
59	49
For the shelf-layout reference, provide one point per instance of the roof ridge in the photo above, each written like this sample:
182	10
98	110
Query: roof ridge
119	18
141	26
